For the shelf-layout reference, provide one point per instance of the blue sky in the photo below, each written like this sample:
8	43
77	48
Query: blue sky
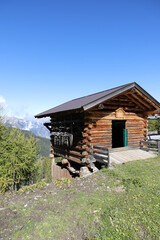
53	51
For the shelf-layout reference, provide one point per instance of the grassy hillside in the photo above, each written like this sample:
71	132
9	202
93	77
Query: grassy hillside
44	146
44	143
122	203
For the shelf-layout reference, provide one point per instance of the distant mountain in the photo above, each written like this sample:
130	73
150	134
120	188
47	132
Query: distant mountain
35	126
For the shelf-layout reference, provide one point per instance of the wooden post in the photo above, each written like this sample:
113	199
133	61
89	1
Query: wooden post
108	158
159	147
52	163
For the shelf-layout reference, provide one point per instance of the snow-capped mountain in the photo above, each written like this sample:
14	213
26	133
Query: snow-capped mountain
32	125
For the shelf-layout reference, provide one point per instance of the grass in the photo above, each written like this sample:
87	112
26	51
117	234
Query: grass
124	204
135	214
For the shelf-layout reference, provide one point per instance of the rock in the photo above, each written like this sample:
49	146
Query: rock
84	172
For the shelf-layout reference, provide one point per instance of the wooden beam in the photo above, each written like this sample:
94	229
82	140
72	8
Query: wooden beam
73	159
152	112
153	104
136	109
141	100
135	97
118	105
115	103
135	101
63	151
126	107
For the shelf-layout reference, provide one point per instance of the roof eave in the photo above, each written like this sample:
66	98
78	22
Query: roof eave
51	114
41	116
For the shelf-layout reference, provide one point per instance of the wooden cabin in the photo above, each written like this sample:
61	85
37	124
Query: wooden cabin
84	127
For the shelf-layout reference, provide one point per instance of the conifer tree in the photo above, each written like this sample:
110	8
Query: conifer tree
18	157
157	125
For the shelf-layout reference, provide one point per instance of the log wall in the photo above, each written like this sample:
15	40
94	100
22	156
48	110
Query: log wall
101	132
96	128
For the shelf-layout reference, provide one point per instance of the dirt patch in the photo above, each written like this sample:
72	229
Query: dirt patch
5	216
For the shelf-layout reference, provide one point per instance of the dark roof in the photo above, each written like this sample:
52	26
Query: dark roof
94	99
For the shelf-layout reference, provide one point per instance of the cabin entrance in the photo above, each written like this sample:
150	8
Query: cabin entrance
119	134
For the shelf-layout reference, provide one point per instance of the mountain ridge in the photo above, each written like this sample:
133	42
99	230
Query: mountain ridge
32	125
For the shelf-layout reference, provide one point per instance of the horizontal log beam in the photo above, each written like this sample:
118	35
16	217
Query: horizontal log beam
152	112
69	152
71	158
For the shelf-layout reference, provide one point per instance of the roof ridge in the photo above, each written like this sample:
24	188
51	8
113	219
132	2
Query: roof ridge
100	92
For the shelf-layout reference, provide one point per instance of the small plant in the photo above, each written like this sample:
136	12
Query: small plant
40	184
31	188
61	182
134	181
